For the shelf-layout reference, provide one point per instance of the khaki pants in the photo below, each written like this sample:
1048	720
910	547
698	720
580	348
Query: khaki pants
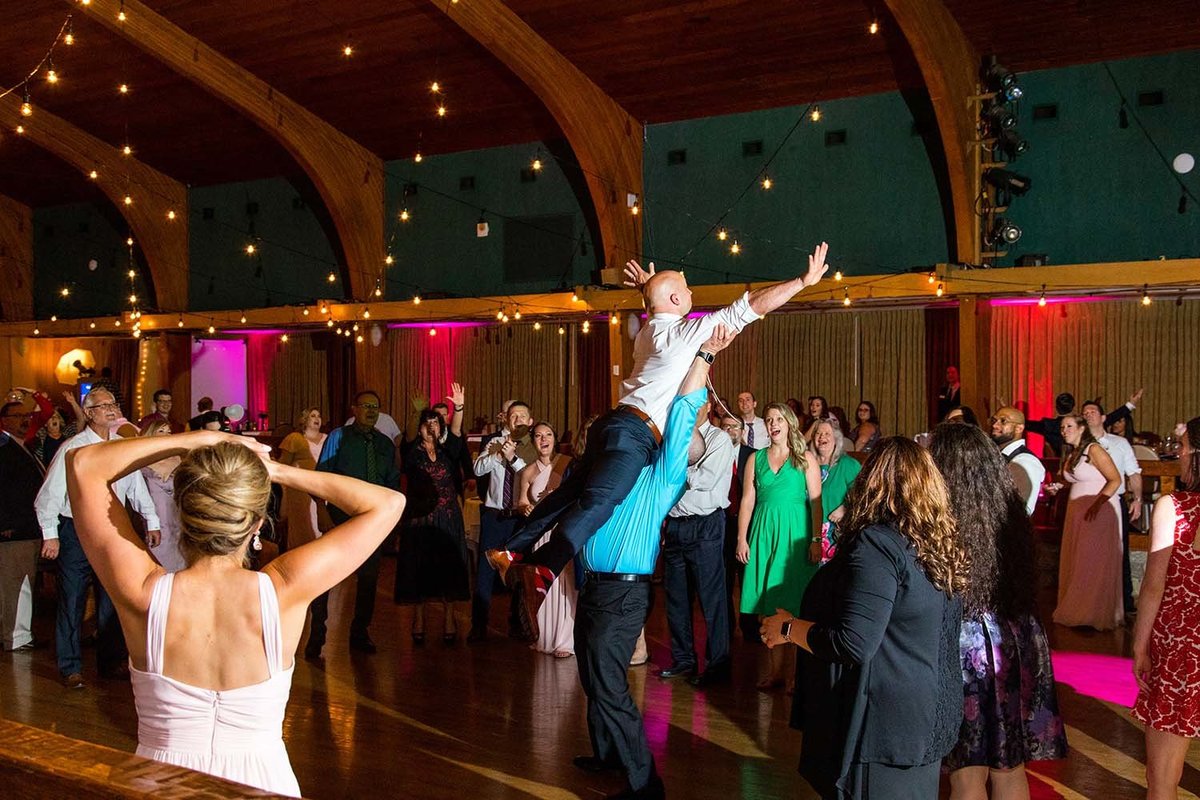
18	566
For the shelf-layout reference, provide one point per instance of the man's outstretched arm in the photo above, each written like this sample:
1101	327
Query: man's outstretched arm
765	300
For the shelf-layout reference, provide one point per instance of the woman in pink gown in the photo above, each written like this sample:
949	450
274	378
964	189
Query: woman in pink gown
217	708
1089	565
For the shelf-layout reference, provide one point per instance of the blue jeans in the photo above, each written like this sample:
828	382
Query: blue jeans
74	576
619	445
693	554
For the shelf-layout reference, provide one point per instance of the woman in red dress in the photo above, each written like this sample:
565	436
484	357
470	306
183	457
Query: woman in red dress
1167	634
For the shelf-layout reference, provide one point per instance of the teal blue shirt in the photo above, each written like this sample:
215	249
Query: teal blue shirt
629	541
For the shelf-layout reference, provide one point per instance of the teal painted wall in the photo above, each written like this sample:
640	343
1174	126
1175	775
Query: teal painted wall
874	198
1099	193
293	255
437	251
65	239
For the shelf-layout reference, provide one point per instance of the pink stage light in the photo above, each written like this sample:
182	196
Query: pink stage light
1050	301
426	325
1102	677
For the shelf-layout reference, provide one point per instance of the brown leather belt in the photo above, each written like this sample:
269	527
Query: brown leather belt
644	417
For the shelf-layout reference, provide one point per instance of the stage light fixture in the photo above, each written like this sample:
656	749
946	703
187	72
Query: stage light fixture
1012	145
1003	232
1007	181
1000	80
998	118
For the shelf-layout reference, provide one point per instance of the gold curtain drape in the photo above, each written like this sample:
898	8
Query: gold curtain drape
493	364
844	356
1104	349
299	380
30	362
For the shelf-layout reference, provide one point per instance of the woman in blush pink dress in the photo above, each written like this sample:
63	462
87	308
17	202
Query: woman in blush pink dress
556	617
212	647
1089	565
302	448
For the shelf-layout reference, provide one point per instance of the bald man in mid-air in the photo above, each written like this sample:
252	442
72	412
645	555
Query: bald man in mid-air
626	439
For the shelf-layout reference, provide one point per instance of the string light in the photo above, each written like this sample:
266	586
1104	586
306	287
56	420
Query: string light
561	330
416	299
129	242
359	338
873	28
441	110
26	106
614	319
1042	299
121	13
366	313
766	182
1146	294
69	39
250	249
536	165
837	276
92	325
722	235
587	326
123	88
517	314
389	260
51	75
404	215
500	314
941	289
54	317
127	150
354	327
932	277
324	308
36	331
432	331
171	215
329	323
504	319
417	157
180	324
284	338
634	209
331	277
133	298
212	329
117	323
735	248
65	292
20	129
128	200
435	87
243	318
574	297
347	51
378	289
132	274
815	114
846	296
537	326
93	175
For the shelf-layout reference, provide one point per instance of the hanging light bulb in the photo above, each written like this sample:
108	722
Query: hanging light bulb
837	276
815	114
121	14
133	298
250	249
283	338
324	308
722	235
561	330
389	260
416	299
766	182
359	338
366	313
128	200
574	297
404	215
132	274
171	215
635	209
69	39
54	317
347	51
65	292
329	323
941	289
180	324
51	74
92	324
441	110
614	319
417	157
36	331
517	314
537	165
846	297
735	248
20	129
500	314
243	318
331	277
93	174
26	106
378	291
354	327
537	326
123	88
338	332
127	150
873	28
1042	299
587	326
129	242
432	331
932	277
1146	294
435	87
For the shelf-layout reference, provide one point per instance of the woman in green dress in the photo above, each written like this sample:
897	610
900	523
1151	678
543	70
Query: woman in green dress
838	471
781	509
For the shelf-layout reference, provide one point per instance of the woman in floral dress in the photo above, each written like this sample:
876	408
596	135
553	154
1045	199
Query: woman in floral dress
1010	710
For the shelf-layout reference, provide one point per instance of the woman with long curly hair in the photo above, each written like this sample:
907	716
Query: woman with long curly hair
1010	710
779	526
880	695
1167	634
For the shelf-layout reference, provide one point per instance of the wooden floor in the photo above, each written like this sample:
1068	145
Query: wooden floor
495	720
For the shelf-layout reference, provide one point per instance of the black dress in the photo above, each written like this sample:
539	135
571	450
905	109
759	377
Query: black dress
880	698
431	563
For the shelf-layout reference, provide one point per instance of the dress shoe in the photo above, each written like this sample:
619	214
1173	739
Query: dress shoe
500	560
712	677
653	790
73	681
677	671
363	644
595	765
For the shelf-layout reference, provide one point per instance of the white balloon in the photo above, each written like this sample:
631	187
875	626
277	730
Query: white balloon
1184	163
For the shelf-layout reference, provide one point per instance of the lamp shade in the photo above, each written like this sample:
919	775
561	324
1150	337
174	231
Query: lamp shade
67	371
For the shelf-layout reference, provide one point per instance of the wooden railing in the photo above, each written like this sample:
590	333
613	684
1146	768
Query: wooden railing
39	765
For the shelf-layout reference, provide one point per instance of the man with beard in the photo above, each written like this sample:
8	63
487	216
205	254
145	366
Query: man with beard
1008	432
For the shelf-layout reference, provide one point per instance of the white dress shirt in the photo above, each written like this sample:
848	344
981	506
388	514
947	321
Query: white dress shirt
707	488
52	501
494	467
761	438
663	353
1122	455
1033	468
385	425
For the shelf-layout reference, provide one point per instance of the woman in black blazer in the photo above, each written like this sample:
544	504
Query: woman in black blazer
879	685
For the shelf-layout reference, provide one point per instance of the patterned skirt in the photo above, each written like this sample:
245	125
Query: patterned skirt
1010	709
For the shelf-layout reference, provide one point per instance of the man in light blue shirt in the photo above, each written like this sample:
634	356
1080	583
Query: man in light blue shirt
618	561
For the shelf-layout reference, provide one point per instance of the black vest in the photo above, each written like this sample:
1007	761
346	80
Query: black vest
1019	451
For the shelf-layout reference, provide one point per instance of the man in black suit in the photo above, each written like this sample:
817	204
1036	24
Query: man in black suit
949	395
20	536
734	569
1065	404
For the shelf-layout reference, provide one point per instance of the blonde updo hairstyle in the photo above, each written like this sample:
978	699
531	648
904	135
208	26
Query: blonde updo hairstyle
222	493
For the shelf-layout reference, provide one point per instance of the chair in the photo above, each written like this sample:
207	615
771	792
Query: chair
1150	487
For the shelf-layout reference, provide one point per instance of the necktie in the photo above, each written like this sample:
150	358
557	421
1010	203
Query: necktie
372	470
735	493
509	475
750	434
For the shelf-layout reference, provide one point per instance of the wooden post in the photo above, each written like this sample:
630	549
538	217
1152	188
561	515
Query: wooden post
974	353
16	259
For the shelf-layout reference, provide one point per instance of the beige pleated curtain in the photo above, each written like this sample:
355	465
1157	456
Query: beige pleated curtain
876	355
1103	349
299	380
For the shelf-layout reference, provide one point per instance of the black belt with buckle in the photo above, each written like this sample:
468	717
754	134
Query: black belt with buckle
628	577
644	417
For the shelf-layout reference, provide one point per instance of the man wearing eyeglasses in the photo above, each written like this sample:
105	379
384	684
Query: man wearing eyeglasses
20	539
1008	432
62	542
360	451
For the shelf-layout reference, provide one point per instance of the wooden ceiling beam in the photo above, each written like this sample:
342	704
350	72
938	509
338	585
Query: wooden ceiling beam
607	141
349	178
153	195
949	65
16	260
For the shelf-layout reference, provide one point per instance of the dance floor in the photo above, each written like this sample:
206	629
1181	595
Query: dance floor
495	720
